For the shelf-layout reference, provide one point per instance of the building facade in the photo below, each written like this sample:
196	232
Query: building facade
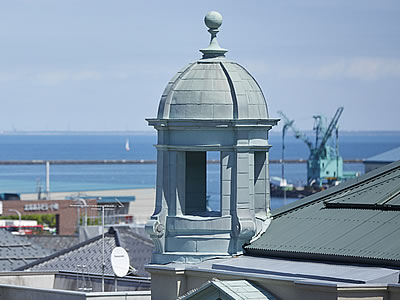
65	214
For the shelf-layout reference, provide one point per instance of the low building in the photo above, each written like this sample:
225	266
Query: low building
381	159
64	211
86	258
76	272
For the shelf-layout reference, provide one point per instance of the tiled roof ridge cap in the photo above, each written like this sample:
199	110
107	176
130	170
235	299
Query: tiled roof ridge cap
320	196
205	285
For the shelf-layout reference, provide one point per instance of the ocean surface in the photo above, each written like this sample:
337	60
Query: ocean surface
29	178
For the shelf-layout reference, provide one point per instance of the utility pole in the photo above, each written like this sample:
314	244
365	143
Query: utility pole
48	180
103	265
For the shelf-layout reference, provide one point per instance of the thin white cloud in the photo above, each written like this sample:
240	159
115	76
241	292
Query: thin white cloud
55	76
363	68
50	77
357	68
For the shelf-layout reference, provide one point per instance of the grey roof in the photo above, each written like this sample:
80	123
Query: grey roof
358	222
385	157
54	243
16	251
213	89
139	248
307	271
228	289
256	267
89	254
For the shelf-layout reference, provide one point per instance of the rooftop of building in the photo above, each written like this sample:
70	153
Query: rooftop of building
291	270
16	251
354	222
385	157
87	256
54	243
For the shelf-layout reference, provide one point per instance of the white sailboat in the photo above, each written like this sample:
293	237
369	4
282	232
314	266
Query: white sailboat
127	146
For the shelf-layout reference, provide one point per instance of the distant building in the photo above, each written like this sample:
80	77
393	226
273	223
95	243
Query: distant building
66	216
381	159
82	263
342	243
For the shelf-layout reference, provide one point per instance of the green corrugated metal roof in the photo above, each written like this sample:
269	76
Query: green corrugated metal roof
358	221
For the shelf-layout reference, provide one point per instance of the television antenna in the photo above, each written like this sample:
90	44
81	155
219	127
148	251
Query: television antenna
102	208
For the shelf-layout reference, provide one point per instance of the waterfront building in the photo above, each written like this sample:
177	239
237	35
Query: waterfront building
342	243
381	159
64	212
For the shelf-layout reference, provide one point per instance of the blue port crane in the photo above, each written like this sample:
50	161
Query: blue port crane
324	165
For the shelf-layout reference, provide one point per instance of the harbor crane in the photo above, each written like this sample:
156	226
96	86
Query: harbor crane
324	165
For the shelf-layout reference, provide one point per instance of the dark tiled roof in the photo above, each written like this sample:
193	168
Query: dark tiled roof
89	254
54	243
358	221
138	247
16	251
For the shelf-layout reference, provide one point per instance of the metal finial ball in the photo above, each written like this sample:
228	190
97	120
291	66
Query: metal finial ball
213	20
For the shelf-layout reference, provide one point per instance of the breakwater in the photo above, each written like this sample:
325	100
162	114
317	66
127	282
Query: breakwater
136	162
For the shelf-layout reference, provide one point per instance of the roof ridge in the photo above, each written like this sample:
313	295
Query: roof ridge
61	252
378	157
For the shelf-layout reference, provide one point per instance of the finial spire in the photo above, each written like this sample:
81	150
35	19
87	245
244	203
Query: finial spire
213	21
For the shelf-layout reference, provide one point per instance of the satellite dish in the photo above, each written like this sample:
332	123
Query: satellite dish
120	261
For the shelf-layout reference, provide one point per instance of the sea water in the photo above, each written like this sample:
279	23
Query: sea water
30	178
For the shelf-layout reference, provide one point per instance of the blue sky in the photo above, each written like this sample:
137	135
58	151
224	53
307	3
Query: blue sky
102	65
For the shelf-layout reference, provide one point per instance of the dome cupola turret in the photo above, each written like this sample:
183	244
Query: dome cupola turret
213	87
211	107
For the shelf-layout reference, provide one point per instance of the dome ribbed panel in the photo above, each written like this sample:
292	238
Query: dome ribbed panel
250	99
164	105
202	93
212	90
